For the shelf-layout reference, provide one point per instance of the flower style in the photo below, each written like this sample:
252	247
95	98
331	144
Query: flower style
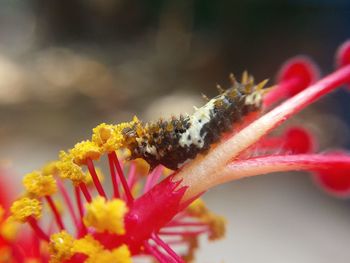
150	213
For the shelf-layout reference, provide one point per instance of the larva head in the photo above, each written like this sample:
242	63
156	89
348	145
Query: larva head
246	93
253	92
254	99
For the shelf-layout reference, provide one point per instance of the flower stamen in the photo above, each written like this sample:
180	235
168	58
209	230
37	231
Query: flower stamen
295	75
67	200
129	197
55	212
106	215
167	248
85	192
78	200
94	176
37	229
153	178
156	253
116	193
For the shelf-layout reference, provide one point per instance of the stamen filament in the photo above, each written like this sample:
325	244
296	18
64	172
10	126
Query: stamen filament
156	253
132	179
55	212
116	193
178	224
85	192
129	197
37	229
167	248
68	202
81	228
153	178
176	242
182	233
78	200
95	179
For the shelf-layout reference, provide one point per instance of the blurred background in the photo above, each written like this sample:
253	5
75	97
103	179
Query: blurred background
68	65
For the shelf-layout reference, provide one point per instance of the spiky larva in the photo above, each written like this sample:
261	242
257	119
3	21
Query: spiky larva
174	141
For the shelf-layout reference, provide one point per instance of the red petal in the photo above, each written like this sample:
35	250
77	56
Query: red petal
299	140
343	54
295	75
302	68
336	179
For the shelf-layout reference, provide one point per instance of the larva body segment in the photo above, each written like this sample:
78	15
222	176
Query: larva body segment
174	141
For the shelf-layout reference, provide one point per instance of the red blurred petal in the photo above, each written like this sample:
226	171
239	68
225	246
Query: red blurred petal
295	75
343	54
302	68
335	181
299	140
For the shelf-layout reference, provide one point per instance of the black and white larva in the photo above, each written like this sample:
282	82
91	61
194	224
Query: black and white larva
174	141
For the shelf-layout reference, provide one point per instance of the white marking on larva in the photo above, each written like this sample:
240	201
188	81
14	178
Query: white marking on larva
151	150
197	121
148	148
253	99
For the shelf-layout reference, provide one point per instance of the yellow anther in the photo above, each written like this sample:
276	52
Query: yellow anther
87	245
84	150
50	168
106	215
106	137
39	185
9	229
88	179
60	247
110	137
118	255
193	244
68	169
24	208
217	225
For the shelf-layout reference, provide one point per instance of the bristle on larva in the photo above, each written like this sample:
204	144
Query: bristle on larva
174	141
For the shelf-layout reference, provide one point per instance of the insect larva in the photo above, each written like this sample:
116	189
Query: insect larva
172	142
